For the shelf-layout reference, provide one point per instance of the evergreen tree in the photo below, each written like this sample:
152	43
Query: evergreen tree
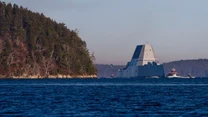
32	44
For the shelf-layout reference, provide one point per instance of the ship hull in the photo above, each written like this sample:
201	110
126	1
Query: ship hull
142	64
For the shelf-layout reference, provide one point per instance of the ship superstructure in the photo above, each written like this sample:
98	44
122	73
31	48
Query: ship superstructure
142	64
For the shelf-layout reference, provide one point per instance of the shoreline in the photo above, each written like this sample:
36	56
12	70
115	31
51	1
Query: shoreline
59	76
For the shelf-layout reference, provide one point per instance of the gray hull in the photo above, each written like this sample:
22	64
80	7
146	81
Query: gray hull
142	64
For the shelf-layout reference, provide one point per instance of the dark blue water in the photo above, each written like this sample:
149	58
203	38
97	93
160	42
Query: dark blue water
104	97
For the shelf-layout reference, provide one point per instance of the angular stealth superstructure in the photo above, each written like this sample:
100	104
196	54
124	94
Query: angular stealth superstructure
142	64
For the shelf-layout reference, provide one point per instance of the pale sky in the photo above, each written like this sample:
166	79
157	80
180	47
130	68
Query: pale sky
177	29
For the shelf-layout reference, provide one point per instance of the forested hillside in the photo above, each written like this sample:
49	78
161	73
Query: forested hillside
34	45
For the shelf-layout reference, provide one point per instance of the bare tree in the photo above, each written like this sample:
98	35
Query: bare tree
10	59
92	57
47	63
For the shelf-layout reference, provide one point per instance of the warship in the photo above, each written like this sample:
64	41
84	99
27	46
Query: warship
143	64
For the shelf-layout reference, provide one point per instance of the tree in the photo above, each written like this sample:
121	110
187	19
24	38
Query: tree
92	57
32	44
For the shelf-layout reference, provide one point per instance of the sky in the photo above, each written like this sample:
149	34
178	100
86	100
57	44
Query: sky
177	29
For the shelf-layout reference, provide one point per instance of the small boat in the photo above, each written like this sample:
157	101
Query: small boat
173	74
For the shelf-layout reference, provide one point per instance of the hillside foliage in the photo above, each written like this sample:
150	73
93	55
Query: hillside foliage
32	44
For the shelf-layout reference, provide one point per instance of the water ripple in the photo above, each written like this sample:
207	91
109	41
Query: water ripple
103	98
